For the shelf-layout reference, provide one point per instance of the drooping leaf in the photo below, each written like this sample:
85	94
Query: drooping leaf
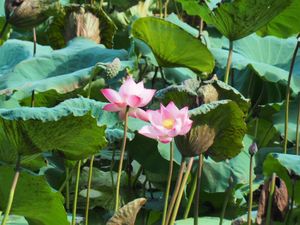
261	69
226	120
286	24
285	166
162	37
34	199
70	127
239	18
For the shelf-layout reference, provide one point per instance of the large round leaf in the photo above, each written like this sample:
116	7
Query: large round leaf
34	199
284	165
226	120
238	18
285	24
70	127
162	37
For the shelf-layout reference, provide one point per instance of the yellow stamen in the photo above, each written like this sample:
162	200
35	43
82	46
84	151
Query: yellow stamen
168	123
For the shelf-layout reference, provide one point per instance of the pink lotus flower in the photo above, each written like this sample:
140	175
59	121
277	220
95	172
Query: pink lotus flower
167	122
132	95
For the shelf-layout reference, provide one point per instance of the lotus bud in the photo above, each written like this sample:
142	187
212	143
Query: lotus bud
253	149
196	141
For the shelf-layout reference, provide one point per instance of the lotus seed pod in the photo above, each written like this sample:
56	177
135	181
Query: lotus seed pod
112	69
253	149
26	14
197	141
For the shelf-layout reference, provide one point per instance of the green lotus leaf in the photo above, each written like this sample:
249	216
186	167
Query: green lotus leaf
226	121
286	24
70	127
162	37
261	69
206	220
279	120
34	199
62	70
239	18
285	166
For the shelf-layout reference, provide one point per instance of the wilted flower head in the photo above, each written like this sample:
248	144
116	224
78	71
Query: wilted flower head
167	122
132	95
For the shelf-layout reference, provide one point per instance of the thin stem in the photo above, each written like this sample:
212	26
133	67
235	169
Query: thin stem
229	61
101	3
169	183
191	198
66	180
225	203
67	189
184	181
154	76
112	164
297	127
288	97
32	99
249	219
166	7
136	177
12	192
270	200
199	173
160	5
176	190
34	41
76	193
89	190
121	161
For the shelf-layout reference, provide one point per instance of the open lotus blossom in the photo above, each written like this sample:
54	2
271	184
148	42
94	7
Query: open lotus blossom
132	95
167	122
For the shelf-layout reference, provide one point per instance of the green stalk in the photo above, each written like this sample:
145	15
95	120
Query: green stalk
76	193
288	97
176	190
229	61
166	7
297	128
270	200
12	192
183	184
121	161
249	220
34	41
199	173
191	198
169	183
67	189
160	5
225	203
89	190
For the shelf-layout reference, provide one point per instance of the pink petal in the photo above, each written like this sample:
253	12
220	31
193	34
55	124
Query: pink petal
111	95
133	101
155	117
139	113
112	107
146	95
172	109
165	140
186	127
128	87
149	131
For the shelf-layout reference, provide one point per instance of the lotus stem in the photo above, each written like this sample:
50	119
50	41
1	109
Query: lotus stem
288	92
68	177
191	198
136	177
169	183
180	193
225	203
101	3
176	190
166	7
87	207
12	192
32	99
249	219
229	61
160	5
34	41
297	127
199	173
67	189
121	161
76	193
270	200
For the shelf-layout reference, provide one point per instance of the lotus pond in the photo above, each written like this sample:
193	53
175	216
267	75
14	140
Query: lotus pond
154	112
